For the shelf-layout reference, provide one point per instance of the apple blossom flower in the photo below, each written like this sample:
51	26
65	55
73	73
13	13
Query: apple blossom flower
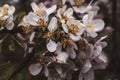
92	25
74	28
64	14
6	17
39	16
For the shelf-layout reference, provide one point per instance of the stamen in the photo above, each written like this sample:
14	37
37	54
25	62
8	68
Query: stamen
73	28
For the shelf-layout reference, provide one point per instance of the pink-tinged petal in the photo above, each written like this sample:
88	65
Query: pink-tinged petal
52	46
51	9
89	75
97	51
34	6
65	28
74	45
98	25
71	52
59	48
86	67
35	69
74	37
53	24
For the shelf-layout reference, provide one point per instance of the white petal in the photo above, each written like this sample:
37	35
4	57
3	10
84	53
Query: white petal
34	6
69	12
81	9
9	26
35	69
53	24
51	9
65	28
64	1
62	57
85	19
92	34
11	10
90	16
99	25
74	38
32	18
52	46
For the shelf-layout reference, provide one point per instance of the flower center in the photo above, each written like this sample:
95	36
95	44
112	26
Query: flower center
50	35
90	26
41	23
64	17
65	42
73	28
78	2
27	29
2	22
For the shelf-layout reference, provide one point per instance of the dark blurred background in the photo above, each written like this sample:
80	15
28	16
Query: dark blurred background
109	12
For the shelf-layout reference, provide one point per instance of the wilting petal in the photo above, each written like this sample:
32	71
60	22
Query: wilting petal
99	25
35	69
59	48
62	57
51	9
71	52
9	26
58	69
81	76
34	6
87	66
46	71
65	28
102	58
89	75
97	51
53	24
74	38
74	45
52	46
32	36
32	18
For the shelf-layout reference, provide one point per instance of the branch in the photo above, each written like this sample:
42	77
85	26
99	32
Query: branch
14	31
23	64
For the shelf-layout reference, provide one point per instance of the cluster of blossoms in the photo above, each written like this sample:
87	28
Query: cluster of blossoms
72	38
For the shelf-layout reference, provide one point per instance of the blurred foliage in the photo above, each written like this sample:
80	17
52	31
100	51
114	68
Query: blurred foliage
11	53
